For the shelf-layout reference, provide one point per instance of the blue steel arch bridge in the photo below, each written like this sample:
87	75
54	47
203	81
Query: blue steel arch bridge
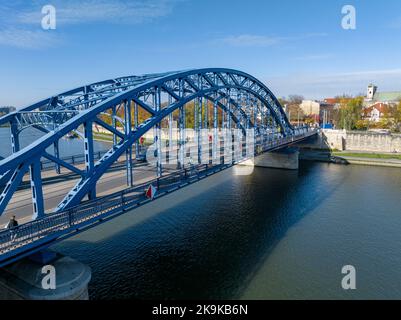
240	101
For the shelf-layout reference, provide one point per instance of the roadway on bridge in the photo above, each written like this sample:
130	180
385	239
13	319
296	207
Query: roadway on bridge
55	187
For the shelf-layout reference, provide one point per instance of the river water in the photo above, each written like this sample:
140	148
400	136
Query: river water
67	147
272	235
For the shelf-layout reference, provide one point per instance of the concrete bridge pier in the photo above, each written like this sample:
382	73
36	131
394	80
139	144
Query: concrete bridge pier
31	278
286	158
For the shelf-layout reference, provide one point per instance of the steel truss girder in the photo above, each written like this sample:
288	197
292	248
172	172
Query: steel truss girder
43	119
85	184
182	87
12	185
63	164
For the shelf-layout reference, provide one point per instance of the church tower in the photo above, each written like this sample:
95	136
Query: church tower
371	91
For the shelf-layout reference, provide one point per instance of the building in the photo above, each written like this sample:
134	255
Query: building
310	107
375	112
322	111
377	104
333	101
5	110
374	96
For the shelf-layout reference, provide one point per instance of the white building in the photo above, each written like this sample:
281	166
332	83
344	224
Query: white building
310	107
375	112
373	96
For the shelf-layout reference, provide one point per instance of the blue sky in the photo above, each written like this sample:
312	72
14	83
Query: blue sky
295	47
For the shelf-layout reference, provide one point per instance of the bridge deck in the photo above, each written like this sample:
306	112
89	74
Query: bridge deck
56	186
41	233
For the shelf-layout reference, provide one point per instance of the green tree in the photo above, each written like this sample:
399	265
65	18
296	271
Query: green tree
396	114
362	124
350	112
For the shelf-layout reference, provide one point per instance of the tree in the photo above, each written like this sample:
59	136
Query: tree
362	124
295	99
295	112
396	115
282	101
292	107
350	112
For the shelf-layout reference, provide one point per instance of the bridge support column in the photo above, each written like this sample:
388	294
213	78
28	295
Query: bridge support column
14	137
170	136
136	124
181	129
114	124
37	192
57	155
199	129
32	278
215	158
89	159
158	134
286	158
128	153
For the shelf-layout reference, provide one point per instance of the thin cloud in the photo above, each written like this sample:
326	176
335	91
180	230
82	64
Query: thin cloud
317	86
90	11
362	75
27	39
311	35
249	40
20	23
314	57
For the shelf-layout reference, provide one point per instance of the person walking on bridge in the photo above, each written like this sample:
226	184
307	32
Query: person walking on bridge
12	224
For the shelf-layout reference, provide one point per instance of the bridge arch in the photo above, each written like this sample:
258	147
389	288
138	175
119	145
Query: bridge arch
85	104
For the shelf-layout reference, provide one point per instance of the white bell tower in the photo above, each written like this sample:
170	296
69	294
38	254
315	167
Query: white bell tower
371	91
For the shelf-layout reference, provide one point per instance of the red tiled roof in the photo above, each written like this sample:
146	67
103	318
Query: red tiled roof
381	107
331	100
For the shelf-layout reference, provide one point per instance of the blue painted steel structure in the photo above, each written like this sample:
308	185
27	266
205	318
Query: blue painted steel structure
244	102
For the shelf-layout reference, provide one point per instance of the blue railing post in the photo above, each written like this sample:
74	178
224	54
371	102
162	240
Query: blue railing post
70	221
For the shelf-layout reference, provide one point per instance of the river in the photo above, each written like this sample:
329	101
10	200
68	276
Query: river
272	235
67	147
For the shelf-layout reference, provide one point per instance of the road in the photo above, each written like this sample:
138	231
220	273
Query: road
55	187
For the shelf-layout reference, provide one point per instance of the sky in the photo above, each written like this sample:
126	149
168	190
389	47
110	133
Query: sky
294	47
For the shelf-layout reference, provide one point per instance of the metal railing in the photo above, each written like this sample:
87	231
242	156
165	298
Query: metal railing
87	212
73	160
57	225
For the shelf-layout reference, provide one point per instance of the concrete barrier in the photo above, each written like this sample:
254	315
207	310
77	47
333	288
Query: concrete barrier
286	158
356	141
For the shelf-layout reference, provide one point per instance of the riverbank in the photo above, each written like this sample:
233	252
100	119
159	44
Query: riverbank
347	157
103	137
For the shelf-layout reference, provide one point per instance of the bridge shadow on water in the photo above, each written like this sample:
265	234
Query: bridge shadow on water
207	246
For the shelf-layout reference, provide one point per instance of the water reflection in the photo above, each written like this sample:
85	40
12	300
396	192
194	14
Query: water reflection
270	235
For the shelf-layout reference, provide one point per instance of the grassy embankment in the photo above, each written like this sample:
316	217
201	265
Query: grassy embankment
396	156
101	136
108	137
